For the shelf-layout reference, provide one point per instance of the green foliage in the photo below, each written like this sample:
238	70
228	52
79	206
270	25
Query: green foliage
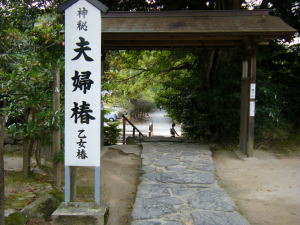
151	5
207	102
58	195
111	133
15	218
128	85
280	66
207	108
30	47
59	157
204	99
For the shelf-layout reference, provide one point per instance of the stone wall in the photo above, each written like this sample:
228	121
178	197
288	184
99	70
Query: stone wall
15	145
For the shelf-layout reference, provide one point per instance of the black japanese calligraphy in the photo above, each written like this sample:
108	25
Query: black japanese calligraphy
81	152
83	81
82	12
81	143
81	50
82	25
81	135
82	113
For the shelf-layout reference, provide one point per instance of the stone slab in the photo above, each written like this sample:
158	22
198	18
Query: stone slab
212	199
148	208
218	218
80	213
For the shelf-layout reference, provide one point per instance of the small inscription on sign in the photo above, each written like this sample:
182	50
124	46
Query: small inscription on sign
252	108
252	90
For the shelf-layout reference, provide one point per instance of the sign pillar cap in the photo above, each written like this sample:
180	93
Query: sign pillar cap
99	5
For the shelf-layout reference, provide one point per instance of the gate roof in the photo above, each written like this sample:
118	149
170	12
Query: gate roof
173	29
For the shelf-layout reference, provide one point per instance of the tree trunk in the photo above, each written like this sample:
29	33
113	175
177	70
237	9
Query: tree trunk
37	150
209	68
2	130
27	147
56	135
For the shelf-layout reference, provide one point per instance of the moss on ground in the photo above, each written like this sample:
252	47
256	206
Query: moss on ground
15	219
21	191
18	201
85	193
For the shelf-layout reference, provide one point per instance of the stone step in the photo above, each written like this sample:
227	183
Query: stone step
164	139
127	149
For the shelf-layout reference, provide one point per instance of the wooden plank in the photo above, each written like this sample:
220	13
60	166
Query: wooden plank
131	30
192	24
162	44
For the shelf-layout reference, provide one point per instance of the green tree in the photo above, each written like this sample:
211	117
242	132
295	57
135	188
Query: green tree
30	43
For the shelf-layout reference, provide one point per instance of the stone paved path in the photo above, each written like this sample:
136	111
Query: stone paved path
178	187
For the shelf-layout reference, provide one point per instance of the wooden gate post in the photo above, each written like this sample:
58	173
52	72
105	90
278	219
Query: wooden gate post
251	119
248	89
244	105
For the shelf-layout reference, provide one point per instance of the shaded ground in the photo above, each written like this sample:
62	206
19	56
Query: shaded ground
266	187
119	179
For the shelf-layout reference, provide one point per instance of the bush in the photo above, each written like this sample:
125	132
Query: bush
111	133
15	218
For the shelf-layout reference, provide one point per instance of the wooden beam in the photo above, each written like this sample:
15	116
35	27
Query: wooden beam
184	13
180	36
166	44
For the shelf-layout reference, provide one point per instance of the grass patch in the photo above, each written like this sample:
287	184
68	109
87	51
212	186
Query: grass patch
85	193
14	154
17	177
18	201
15	219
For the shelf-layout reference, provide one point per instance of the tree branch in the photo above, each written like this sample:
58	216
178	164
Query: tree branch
142	70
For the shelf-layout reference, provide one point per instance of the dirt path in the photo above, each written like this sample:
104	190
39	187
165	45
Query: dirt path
266	188
120	176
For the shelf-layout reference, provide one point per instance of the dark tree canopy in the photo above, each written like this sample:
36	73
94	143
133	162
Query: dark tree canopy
172	4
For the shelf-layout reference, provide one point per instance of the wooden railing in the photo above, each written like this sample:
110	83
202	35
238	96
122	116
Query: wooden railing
125	119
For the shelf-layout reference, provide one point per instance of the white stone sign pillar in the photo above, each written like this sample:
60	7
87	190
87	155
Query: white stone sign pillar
82	84
82	87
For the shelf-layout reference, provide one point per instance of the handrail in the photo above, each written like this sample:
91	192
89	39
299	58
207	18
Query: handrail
134	128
